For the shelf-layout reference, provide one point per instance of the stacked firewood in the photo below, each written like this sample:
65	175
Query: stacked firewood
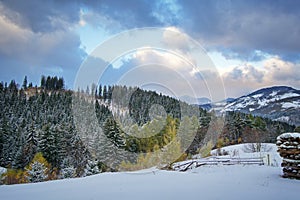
289	149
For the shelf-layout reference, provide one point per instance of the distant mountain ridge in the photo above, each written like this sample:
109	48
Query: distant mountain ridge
280	103
194	100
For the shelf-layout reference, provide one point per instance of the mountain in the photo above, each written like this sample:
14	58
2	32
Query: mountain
194	100
279	103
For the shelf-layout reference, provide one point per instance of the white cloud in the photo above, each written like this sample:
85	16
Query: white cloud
245	78
282	71
172	72
176	40
12	37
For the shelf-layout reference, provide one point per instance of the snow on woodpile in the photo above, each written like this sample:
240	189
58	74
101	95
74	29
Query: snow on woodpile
289	149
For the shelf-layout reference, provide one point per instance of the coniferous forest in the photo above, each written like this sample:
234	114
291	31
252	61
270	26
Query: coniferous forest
42	138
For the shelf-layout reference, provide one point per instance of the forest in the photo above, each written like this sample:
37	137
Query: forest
48	132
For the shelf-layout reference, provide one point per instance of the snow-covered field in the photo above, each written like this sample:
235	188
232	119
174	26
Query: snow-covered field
206	182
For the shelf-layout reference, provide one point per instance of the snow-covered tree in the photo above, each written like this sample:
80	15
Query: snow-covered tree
91	168
37	171
67	170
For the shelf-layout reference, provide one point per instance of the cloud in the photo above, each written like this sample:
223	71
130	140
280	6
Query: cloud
176	40
130	13
26	52
246	73
152	67
41	16
282	71
240	28
244	26
245	78
41	37
156	57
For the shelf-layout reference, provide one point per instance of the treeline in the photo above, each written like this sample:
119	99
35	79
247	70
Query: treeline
51	83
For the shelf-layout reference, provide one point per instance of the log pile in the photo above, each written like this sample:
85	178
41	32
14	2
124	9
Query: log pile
289	149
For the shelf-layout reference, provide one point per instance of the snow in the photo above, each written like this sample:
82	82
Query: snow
251	109
288	135
206	182
2	170
217	182
257	95
291	160
273	93
289	95
261	101
291	105
283	119
244	151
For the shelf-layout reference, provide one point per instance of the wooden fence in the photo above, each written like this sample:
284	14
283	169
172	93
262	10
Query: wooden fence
184	166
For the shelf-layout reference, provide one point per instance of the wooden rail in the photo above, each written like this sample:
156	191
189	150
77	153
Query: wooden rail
184	166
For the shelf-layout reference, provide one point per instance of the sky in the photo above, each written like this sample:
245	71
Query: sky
252	44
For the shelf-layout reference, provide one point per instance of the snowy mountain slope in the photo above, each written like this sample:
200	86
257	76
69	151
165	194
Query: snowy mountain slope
277	103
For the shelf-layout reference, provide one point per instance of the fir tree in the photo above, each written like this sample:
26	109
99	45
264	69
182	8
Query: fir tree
24	86
37	172
38	169
67	169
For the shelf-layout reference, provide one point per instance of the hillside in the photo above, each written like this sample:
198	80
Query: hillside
109	128
73	130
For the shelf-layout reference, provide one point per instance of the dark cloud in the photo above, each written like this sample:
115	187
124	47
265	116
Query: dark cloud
42	16
235	74
245	73
37	38
40	35
238	27
244	26
129	13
